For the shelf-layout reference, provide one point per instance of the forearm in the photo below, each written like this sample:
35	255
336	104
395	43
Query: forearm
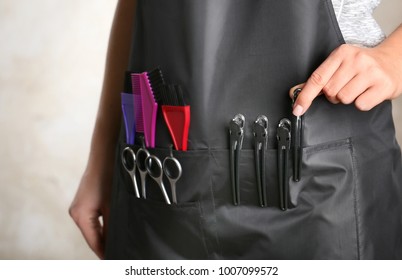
392	47
108	118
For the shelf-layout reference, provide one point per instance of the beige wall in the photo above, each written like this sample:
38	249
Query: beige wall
51	66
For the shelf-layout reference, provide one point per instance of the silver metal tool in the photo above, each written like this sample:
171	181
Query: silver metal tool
284	139
236	135
142	155
172	169
154	169
129	163
260	131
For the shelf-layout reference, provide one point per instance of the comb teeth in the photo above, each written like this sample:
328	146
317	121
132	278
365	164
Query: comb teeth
149	110
173	95
156	81
180	96
139	119
156	77
136	85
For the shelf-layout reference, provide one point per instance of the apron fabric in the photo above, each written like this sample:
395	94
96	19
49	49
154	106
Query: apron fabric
238	56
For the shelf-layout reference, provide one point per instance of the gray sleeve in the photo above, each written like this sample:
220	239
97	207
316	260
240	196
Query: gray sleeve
357	23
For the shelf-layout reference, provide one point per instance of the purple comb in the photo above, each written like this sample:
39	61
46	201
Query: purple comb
137	92
128	114
149	110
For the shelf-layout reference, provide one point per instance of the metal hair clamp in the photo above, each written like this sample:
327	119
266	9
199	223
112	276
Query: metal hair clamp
297	126
260	131
236	135
284	139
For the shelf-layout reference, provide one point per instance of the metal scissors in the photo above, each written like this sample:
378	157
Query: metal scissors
173	171
142	155
154	169
129	163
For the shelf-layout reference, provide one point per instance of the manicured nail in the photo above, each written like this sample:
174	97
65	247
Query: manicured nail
298	111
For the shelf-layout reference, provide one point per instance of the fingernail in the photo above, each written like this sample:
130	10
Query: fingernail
298	111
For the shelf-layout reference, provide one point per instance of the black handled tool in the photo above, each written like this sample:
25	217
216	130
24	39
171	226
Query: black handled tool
236	135
260	131
297	126
284	138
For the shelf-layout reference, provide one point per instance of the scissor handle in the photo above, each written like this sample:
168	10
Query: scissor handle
127	166
142	155
153	166
154	169
172	168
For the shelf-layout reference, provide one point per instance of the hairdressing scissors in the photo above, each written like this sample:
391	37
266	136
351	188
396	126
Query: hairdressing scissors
173	171
129	163
142	155
154	169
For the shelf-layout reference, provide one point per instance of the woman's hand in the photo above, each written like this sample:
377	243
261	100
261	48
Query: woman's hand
351	74
91	203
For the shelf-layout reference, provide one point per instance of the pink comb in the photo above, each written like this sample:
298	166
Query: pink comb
149	110
137	93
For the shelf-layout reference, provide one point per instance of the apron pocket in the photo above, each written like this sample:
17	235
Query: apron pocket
321	224
327	172
158	230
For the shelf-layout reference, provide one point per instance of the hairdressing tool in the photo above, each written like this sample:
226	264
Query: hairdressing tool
129	163
173	171
156	80
284	138
142	155
137	93
176	115
127	106
236	136
260	132
297	126
150	84
155	171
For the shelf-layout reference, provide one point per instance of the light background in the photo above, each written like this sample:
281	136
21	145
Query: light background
51	68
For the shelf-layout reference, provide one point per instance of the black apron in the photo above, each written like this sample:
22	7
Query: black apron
239	56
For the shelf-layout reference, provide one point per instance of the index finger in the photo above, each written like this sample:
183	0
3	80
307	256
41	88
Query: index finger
317	81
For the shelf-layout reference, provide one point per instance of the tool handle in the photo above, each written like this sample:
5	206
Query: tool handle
137	193
173	189
127	106
263	178
285	179
280	177
258	173
163	190
143	176
177	119
297	147
234	174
